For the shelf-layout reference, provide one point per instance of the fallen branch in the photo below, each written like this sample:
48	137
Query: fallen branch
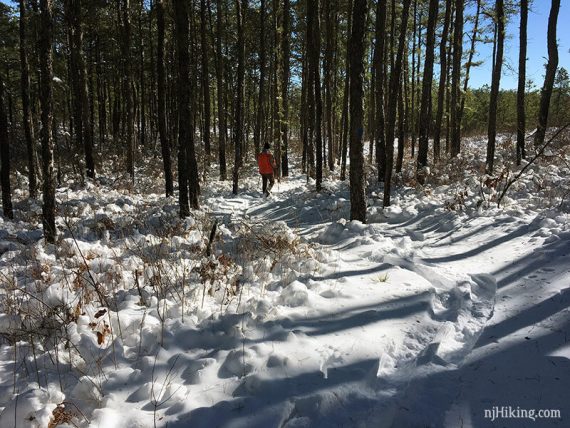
529	163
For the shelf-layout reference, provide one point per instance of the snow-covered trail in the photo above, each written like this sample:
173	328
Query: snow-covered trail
346	341
522	359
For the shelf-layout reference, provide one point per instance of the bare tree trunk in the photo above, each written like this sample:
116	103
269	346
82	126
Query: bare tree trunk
222	114
26	111
551	66
345	103
276	113
205	82
101	99
425	107
143	101
183	97
357	178
392	104
521	119
46	77
315	85
161	107
261	95
379	54
455	144
442	82
328	72
492	129
241	5
285	53
416	29
470	59
5	157
127	85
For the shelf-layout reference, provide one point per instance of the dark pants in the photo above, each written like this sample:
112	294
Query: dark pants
265	178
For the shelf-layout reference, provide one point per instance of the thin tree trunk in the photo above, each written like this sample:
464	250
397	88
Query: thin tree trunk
345	103
5	157
205	81
183	97
492	129
392	104
26	111
470	59
455	144
241	5
142	102
221	92
127	84
379	54
328	71
276	114
161	113
416	30
521	119
357	179
46	77
318	99
285	54
425	107
261	95
442	82
551	66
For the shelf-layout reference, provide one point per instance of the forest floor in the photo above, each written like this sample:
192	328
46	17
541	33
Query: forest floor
443	306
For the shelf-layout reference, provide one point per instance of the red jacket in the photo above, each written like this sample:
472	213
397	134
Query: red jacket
265	162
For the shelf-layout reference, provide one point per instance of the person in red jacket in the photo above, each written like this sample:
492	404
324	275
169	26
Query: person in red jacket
267	165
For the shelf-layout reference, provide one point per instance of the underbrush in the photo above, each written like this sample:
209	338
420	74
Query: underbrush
124	269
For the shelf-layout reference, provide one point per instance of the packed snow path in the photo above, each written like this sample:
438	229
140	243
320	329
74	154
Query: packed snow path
343	342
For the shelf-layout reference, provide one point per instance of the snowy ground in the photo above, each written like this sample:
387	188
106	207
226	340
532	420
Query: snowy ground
440	308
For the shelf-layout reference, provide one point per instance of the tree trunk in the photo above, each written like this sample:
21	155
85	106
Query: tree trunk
550	74
183	98
328	72
276	113
425	107
442	82
392	104
314	37
101	99
455	143
492	129
127	86
81	86
161	107
285	53
5	157
221	92
205	81
416	28
26	111
357	177
345	104
46	77
261	95
521	120
470	59
379	54
241	5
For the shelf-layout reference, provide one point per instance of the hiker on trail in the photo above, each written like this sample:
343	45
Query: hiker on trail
267	166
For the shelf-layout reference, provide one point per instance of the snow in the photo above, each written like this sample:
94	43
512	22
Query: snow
442	306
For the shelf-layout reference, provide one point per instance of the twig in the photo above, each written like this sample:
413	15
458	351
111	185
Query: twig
529	163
